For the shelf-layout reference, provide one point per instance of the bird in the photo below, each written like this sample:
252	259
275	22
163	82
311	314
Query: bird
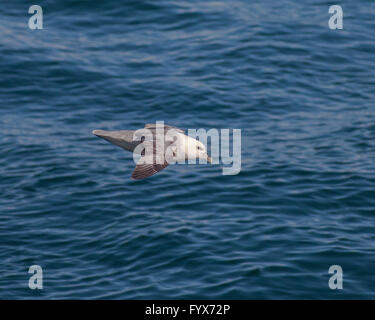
156	138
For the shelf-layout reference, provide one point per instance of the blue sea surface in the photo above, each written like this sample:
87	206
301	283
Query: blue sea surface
302	94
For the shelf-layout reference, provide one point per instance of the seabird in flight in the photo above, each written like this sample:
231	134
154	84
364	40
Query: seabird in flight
156	140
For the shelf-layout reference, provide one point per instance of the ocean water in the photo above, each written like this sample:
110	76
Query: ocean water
302	94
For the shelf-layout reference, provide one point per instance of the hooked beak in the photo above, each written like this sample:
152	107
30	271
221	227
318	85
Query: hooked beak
209	160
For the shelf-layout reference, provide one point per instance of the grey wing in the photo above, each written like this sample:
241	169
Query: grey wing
121	138
143	171
156	163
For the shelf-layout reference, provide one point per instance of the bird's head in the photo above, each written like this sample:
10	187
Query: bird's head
196	150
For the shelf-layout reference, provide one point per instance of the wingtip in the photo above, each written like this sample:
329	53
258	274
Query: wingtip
97	132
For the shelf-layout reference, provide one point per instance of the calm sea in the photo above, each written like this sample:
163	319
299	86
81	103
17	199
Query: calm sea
302	94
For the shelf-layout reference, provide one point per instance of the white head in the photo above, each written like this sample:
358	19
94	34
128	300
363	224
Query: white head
194	149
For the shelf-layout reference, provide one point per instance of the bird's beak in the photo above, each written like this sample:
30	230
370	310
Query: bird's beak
209	159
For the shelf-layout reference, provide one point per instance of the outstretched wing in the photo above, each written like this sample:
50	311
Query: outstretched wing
142	171
149	165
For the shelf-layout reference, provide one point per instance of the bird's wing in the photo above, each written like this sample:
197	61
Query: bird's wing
158	161
142	171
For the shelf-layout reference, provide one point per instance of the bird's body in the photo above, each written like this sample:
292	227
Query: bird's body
161	143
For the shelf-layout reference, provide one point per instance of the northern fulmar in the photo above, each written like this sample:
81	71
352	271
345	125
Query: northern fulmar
162	144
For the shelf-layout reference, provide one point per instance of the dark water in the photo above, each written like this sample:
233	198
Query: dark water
302	94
